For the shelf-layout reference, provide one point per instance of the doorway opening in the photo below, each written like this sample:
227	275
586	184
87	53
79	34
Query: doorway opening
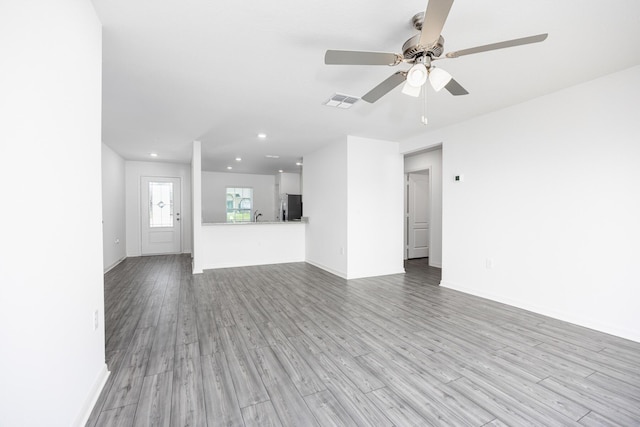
423	208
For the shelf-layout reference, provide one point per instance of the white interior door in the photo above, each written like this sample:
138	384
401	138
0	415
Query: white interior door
160	213
418	215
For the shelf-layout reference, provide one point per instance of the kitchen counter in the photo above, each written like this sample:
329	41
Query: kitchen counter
254	223
238	244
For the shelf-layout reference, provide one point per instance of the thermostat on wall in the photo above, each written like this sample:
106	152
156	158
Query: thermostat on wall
458	178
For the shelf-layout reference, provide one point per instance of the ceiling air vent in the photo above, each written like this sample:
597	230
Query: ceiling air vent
341	101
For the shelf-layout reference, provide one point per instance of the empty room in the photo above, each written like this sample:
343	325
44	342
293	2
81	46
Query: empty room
320	214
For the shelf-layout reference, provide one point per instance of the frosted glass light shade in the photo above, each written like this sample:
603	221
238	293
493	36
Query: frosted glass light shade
417	75
439	78
414	91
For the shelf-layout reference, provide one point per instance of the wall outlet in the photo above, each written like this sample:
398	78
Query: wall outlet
489	263
117	241
342	251
95	320
458	178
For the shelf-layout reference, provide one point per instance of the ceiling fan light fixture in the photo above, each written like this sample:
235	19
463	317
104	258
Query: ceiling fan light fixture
438	78
417	75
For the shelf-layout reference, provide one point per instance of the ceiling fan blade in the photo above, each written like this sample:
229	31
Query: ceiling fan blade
455	88
385	87
499	45
354	57
434	19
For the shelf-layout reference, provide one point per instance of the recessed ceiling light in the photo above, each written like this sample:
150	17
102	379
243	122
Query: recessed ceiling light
262	135
280	171
272	156
153	154
229	167
238	159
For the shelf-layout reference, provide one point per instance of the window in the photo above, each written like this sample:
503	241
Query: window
239	204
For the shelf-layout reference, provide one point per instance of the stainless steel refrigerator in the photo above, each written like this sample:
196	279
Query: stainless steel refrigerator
291	207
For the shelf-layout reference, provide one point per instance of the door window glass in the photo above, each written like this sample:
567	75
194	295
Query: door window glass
160	204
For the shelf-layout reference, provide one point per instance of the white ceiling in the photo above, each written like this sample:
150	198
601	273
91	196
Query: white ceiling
221	71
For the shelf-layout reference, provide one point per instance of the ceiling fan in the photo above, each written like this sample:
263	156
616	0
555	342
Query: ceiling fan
420	50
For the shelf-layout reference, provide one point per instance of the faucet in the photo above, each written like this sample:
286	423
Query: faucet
256	214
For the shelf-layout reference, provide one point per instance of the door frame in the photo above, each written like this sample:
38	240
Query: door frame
141	207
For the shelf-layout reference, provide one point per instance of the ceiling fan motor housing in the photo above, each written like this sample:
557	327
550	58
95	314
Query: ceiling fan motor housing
411	49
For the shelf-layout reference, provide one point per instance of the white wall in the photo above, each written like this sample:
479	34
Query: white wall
113	208
51	252
431	160
196	207
353	197
374	208
551	197
133	172
325	203
214	194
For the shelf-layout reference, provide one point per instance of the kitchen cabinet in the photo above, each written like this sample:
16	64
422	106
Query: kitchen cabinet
288	183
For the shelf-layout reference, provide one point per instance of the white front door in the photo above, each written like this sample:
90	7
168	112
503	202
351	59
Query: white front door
418	215
160	213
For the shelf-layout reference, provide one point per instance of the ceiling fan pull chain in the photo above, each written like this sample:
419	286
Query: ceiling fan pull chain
424	105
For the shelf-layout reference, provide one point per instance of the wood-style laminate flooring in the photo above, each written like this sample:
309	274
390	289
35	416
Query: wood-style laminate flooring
294	345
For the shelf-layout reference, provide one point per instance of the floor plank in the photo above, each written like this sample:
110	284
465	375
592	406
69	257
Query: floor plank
288	403
117	417
154	408
187	404
328	410
248	384
260	415
220	395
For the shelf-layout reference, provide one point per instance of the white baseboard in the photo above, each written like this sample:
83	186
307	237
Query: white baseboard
563	316
112	266
325	268
345	276
376	274
93	396
247	264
